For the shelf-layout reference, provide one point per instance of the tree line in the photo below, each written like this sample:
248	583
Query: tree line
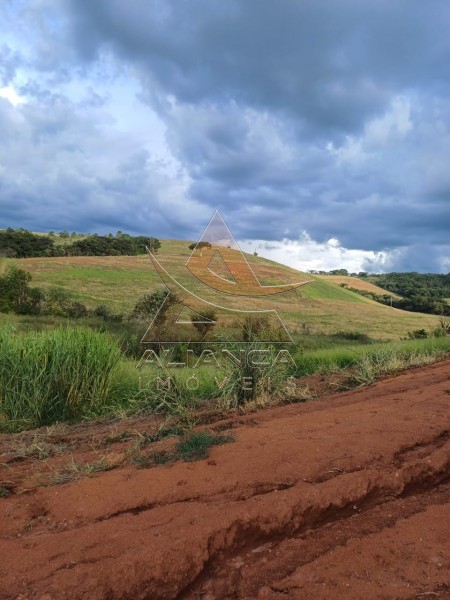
20	243
414	285
421	292
433	305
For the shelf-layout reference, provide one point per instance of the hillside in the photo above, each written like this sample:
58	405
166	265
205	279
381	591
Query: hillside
118	281
358	284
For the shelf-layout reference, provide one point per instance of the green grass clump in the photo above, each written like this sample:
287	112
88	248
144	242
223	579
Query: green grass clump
4	491
253	379
55	375
196	445
193	446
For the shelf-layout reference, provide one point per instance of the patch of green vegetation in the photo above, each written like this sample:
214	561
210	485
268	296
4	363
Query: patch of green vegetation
4	491
153	459
192	447
56	375
395	355
69	374
323	290
74	470
196	445
124	436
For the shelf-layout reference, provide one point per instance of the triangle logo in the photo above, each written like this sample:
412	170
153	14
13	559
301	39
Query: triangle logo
218	266
188	316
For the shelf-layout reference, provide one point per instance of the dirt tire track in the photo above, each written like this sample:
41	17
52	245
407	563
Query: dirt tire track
220	527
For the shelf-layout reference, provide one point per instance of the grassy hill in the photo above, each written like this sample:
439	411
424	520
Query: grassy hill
358	284
324	306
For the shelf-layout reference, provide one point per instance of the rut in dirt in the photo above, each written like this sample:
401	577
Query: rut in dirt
320	500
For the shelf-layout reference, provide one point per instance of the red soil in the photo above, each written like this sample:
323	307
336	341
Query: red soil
347	497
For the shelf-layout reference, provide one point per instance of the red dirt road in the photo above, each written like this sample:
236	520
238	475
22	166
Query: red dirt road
347	497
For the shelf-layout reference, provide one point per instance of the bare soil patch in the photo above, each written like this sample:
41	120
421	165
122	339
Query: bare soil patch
347	496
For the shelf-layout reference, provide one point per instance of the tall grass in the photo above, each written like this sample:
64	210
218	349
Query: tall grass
71	373
380	358
247	381
56	375
170	391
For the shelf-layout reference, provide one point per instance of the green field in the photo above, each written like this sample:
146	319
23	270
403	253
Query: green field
319	308
53	369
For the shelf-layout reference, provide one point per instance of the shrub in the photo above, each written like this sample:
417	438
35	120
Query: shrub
417	334
356	336
245	380
257	327
204	327
76	310
103	312
444	323
58	302
148	305
13	289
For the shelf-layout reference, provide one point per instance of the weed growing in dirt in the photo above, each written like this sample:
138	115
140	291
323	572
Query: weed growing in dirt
124	436
88	468
193	446
153	459
196	445
76	470
59	478
4	491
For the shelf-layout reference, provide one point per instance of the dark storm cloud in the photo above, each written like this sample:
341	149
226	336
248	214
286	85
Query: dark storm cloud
326	117
332	64
78	173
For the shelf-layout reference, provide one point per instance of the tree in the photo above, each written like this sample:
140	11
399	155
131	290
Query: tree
64	234
199	246
148	305
14	289
153	244
26	244
7	253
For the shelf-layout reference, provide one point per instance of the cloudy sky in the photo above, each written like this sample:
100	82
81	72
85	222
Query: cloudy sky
320	129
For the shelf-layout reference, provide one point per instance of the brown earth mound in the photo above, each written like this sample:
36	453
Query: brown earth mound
346	497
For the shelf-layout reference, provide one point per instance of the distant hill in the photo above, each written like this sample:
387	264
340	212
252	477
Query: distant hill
118	281
358	283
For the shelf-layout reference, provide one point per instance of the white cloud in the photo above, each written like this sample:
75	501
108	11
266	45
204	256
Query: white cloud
306	254
10	94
